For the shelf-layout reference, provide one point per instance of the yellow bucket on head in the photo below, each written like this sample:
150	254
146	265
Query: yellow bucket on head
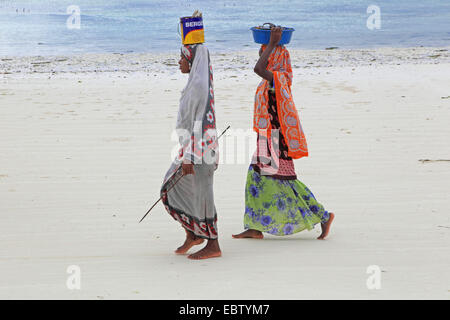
192	31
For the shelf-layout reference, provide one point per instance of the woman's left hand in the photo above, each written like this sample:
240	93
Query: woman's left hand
187	168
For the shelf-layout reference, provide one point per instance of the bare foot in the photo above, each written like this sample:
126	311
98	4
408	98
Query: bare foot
250	233
326	227
191	240
211	250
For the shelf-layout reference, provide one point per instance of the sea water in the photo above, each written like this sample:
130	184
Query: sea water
44	27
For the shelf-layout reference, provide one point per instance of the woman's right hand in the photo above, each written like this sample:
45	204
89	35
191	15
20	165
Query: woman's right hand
275	36
187	168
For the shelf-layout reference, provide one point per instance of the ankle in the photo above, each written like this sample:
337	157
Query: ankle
190	235
213	243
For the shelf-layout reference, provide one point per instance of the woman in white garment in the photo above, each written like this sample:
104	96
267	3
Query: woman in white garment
191	200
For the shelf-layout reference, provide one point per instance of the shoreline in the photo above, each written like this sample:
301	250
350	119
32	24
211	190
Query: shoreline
11	66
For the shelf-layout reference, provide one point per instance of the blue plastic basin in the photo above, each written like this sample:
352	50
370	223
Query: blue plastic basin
262	36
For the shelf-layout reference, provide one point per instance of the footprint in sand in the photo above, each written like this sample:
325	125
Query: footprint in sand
437	160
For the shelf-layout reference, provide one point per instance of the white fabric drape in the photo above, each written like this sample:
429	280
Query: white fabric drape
193	102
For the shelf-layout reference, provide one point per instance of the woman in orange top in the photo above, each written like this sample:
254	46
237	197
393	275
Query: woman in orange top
275	201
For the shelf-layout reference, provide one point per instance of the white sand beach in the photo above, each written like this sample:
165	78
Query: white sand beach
85	142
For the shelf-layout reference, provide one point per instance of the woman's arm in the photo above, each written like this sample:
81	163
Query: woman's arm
261	66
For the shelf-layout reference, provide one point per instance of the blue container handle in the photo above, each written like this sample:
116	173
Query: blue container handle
271	25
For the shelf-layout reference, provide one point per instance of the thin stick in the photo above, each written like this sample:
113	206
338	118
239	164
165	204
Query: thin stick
160	199
174	183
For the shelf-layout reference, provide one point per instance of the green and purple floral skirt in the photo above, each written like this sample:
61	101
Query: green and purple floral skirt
280	207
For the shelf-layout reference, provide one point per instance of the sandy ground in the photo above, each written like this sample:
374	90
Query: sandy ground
83	154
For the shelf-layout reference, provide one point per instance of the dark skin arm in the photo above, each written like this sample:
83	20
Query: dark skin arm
261	66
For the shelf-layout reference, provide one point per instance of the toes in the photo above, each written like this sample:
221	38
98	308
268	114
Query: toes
181	250
238	236
195	256
186	246
204	255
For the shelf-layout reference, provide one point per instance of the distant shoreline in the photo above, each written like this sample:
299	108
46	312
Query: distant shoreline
232	60
213	49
